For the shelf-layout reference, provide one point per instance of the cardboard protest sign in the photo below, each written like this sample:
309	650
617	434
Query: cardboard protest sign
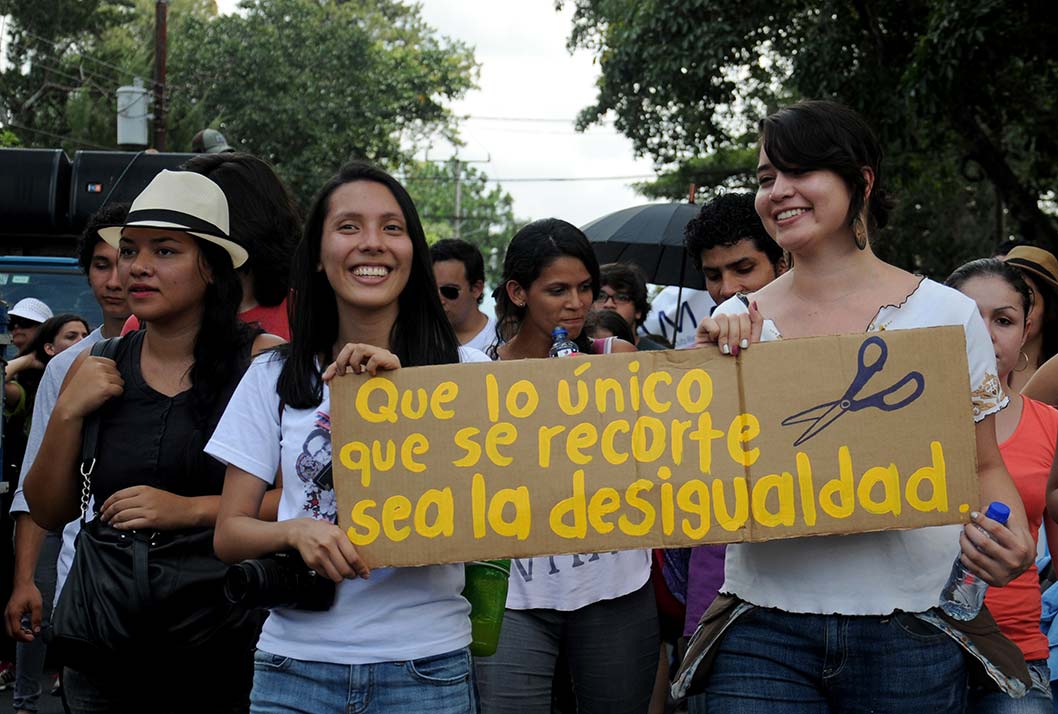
655	449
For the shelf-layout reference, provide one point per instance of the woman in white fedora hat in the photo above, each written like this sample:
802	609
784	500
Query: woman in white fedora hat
156	405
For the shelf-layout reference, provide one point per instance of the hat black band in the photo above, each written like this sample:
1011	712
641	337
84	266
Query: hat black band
186	221
1034	267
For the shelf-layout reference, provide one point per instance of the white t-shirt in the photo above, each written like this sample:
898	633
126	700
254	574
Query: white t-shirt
398	613
569	582
43	406
870	573
484	339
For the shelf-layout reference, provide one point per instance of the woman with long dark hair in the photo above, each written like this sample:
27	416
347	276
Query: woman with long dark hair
597	611
839	623
158	400
363	298
1027	432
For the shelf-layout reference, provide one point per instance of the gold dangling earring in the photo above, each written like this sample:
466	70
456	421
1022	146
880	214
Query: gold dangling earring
859	234
1022	369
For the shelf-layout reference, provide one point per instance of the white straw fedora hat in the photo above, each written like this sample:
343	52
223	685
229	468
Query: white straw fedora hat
183	201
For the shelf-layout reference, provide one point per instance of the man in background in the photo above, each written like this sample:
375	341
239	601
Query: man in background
728	242
459	270
624	291
36	550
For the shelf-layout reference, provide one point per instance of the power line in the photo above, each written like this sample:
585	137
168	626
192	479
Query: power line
81	53
85	142
554	179
545	120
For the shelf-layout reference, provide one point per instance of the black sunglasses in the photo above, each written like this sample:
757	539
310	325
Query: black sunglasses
449	292
17	323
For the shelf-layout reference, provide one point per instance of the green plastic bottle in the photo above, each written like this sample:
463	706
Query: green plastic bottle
486	591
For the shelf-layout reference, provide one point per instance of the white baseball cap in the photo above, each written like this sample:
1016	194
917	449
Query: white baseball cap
31	309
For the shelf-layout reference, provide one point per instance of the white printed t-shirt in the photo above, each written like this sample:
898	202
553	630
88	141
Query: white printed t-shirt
484	339
570	582
397	614
870	573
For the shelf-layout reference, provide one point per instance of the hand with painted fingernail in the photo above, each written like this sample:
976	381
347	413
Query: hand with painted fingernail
730	333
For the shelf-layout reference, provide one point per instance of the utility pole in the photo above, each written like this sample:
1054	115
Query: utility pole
457	218
161	16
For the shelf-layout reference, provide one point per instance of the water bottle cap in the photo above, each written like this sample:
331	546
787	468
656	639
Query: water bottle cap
998	511
559	332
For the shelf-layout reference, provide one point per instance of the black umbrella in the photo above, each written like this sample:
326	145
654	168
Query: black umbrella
650	236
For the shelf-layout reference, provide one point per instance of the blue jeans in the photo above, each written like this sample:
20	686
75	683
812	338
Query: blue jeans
1037	701
29	656
442	684
775	662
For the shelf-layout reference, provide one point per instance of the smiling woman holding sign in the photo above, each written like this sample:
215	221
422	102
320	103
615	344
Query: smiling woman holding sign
848	622
598	610
364	299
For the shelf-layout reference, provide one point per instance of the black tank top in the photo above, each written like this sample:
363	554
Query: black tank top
147	438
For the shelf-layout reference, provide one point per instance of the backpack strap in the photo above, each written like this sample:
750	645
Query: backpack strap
90	431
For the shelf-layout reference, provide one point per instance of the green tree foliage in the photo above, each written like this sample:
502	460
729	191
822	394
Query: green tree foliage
486	215
963	93
310	84
47	50
307	84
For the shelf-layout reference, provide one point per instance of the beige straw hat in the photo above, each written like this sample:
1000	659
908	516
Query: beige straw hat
183	201
1039	263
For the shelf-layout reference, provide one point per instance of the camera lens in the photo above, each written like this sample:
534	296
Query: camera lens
241	581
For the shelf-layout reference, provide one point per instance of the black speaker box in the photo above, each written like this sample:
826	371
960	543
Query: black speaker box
112	176
34	191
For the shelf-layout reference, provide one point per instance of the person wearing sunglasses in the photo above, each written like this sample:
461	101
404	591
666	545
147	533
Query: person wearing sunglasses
24	319
459	270
624	291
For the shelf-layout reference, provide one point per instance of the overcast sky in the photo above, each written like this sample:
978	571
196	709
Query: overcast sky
527	73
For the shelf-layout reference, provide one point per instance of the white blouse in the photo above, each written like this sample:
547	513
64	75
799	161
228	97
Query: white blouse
869	573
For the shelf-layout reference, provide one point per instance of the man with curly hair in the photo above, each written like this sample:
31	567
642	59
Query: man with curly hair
728	242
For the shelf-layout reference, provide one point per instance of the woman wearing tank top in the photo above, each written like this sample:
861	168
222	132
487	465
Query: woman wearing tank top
838	623
1027	432
595	610
158	402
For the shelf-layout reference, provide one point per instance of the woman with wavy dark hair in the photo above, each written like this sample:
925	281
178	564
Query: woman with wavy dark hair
597	611
265	219
363	298
158	401
849	622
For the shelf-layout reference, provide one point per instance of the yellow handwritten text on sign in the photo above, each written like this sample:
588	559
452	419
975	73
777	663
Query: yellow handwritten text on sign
654	449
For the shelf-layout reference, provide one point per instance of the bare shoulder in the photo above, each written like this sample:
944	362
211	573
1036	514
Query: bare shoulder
898	279
266	342
774	294
1043	386
622	346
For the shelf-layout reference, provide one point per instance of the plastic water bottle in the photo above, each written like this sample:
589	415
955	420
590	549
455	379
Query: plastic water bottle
561	345
964	593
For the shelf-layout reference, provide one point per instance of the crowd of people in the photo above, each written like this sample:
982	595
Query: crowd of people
191	430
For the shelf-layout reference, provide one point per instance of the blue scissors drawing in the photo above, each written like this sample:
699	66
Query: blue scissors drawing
823	415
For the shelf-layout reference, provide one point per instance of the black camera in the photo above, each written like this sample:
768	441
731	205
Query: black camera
280	580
